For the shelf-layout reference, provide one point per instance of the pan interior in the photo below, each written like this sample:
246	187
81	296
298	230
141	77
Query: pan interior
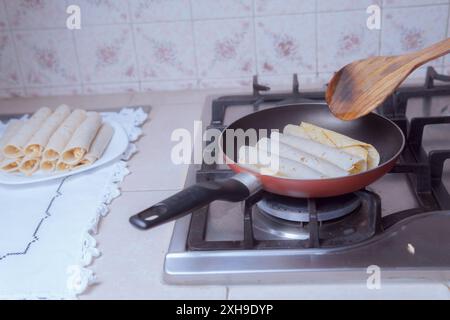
385	136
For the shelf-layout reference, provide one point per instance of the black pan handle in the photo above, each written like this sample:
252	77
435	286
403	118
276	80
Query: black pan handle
237	188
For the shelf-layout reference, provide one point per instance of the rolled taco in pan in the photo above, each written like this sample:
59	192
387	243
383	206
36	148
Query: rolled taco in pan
346	161
325	168
334	139
286	167
38	142
63	134
82	139
15	146
350	145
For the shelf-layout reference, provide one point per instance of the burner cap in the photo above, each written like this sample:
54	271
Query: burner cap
296	209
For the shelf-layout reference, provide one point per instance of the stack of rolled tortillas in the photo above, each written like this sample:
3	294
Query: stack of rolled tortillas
59	140
308	152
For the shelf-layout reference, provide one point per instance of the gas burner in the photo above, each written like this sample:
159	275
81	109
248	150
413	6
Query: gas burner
341	220
296	209
266	224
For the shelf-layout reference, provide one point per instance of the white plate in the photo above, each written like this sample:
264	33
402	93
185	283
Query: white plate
115	149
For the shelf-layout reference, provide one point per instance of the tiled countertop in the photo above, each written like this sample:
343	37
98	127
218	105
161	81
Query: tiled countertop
131	264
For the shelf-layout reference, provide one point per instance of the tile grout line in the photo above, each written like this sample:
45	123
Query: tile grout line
194	43
133	39
235	18
77	58
11	33
380	43
316	36
255	51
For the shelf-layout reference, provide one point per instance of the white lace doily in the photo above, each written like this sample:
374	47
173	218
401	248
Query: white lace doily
46	241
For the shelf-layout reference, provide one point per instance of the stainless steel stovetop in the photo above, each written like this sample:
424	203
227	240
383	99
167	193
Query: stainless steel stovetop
401	224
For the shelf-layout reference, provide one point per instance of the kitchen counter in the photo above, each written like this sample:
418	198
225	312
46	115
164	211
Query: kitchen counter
131	265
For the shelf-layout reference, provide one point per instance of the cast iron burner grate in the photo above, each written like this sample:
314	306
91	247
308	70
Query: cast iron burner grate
297	209
424	171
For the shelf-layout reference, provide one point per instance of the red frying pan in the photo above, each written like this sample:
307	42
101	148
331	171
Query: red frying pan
382	133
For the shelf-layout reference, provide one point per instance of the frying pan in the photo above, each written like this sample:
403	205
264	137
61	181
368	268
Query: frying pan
382	133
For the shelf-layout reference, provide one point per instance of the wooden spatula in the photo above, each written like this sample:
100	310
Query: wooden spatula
363	85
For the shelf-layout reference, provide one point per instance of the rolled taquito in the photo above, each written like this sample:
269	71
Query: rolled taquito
317	164
317	134
338	157
349	144
62	166
38	142
98	146
11	164
82	139
337	140
48	165
15	146
12	128
285	168
29	165
63	134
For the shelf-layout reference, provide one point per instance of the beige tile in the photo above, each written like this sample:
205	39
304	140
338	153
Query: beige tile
341	291
107	101
157	98
152	168
131	265
97	102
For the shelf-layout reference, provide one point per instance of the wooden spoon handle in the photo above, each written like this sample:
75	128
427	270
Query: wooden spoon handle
432	52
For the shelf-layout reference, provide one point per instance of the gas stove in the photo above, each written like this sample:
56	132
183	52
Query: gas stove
400	224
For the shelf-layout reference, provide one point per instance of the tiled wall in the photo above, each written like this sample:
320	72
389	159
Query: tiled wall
141	45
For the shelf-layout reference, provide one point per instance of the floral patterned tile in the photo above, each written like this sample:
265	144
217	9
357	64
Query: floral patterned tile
225	48
285	45
341	5
33	14
169	85
159	10
165	50
111	88
206	9
410	29
106	54
102	11
47	57
53	91
12	93
406	3
3	18
278	7
344	37
9	75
